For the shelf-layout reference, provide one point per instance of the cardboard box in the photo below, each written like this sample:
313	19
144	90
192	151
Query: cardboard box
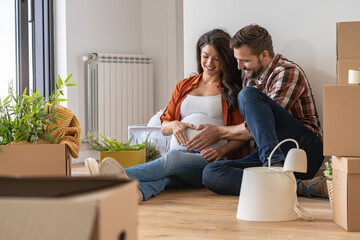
341	120
35	160
68	208
347	49
347	40
346	194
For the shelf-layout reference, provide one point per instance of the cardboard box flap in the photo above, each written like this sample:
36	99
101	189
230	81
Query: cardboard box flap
40	219
349	165
54	186
348	39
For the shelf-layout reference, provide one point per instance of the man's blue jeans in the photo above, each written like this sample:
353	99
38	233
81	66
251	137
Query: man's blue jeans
174	169
269	124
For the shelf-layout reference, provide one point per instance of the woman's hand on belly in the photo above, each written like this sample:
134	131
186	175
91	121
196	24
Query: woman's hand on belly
212	154
179	132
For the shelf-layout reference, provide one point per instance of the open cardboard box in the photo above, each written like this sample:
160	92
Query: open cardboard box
68	208
346	194
35	160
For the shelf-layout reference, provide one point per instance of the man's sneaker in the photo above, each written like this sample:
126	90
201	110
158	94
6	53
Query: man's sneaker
111	168
92	166
315	187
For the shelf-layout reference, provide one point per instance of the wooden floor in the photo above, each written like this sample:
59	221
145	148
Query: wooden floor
200	214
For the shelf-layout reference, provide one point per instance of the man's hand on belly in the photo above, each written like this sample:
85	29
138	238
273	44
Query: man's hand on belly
208	135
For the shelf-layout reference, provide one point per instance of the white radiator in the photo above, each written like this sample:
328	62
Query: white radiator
119	93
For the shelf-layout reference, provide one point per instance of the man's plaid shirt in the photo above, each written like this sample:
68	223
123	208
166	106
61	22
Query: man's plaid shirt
286	83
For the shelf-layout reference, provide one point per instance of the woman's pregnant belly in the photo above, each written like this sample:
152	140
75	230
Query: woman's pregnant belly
196	119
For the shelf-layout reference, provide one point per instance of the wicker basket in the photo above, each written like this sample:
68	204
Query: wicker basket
330	191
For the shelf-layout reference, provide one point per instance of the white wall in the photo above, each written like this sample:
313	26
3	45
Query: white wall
303	31
152	27
86	26
162	29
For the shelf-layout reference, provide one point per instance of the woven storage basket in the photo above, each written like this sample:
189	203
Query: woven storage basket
330	191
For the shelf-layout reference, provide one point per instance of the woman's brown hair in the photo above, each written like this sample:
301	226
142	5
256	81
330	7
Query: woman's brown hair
230	75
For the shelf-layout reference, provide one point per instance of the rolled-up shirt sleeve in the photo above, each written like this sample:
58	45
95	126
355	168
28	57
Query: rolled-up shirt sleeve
169	112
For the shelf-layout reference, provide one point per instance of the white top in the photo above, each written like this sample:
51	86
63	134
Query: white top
208	105
200	110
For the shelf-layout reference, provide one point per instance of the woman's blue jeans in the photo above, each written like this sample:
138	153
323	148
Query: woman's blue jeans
269	124
174	169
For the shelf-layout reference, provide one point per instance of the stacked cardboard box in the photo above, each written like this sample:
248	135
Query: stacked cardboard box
346	194
348	49
342	129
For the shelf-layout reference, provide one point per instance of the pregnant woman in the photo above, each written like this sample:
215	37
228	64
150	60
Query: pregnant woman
207	98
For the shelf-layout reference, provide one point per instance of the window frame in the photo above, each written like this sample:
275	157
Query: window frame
42	18
21	46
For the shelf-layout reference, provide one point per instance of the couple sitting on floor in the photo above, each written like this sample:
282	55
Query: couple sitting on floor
244	91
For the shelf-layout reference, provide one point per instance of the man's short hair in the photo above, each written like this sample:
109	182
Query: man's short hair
255	37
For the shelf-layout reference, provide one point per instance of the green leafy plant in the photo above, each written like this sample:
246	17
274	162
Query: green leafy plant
27	117
328	171
152	151
111	144
24	118
60	85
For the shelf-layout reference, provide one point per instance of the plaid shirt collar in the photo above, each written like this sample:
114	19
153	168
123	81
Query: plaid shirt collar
261	80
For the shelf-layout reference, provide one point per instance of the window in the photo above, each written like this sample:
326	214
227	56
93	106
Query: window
7	46
28	45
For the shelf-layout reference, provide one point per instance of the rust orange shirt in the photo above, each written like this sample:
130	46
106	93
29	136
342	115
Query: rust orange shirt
172	111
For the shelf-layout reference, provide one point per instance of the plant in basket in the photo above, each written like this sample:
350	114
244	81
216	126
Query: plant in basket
329	177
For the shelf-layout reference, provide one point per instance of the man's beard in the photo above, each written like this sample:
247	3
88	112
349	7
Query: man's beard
257	72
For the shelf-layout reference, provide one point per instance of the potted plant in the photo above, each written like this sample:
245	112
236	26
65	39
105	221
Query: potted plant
32	118
329	178
126	154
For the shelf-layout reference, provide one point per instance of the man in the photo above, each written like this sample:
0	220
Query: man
276	102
